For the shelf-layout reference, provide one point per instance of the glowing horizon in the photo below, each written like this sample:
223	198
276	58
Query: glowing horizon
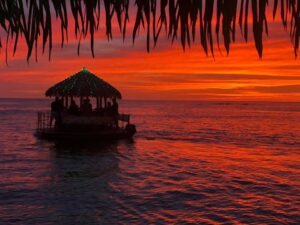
165	73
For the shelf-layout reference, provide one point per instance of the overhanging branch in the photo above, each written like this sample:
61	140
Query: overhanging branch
180	18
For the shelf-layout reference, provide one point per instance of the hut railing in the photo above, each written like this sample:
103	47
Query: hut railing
43	121
124	119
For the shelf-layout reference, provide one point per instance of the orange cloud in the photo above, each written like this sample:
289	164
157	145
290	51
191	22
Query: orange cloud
167	72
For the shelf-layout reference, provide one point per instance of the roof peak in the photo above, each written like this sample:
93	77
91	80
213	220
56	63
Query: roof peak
84	69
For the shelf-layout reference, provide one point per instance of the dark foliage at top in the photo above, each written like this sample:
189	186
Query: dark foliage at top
181	19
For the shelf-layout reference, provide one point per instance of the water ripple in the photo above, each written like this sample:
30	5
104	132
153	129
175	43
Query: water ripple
210	163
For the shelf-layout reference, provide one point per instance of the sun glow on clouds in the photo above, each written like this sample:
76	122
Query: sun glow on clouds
166	73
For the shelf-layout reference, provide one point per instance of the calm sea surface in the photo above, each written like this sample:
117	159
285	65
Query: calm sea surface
190	163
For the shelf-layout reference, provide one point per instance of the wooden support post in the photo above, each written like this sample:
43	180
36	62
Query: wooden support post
38	121
67	102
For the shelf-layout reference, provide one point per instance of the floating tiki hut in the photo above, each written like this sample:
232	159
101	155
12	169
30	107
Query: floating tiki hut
73	116
83	85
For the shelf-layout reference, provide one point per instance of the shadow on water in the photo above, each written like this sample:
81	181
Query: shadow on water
82	175
81	147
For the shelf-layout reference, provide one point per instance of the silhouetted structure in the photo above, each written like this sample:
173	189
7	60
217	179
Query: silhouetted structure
73	109
98	123
84	84
55	108
184	18
86	107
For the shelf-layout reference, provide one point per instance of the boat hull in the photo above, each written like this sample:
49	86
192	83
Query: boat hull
97	135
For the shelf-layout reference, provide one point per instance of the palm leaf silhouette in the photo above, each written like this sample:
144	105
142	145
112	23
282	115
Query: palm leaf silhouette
31	19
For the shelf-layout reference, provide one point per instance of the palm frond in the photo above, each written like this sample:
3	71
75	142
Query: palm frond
182	19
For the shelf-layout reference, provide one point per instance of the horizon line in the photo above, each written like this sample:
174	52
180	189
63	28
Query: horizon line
173	100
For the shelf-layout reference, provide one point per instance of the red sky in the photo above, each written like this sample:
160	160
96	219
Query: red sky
166	73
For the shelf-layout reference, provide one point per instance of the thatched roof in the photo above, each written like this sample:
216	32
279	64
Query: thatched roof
84	84
181	19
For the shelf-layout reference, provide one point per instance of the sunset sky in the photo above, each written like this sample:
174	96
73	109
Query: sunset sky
166	73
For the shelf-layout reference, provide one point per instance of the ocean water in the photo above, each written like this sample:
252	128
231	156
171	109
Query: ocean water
190	163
